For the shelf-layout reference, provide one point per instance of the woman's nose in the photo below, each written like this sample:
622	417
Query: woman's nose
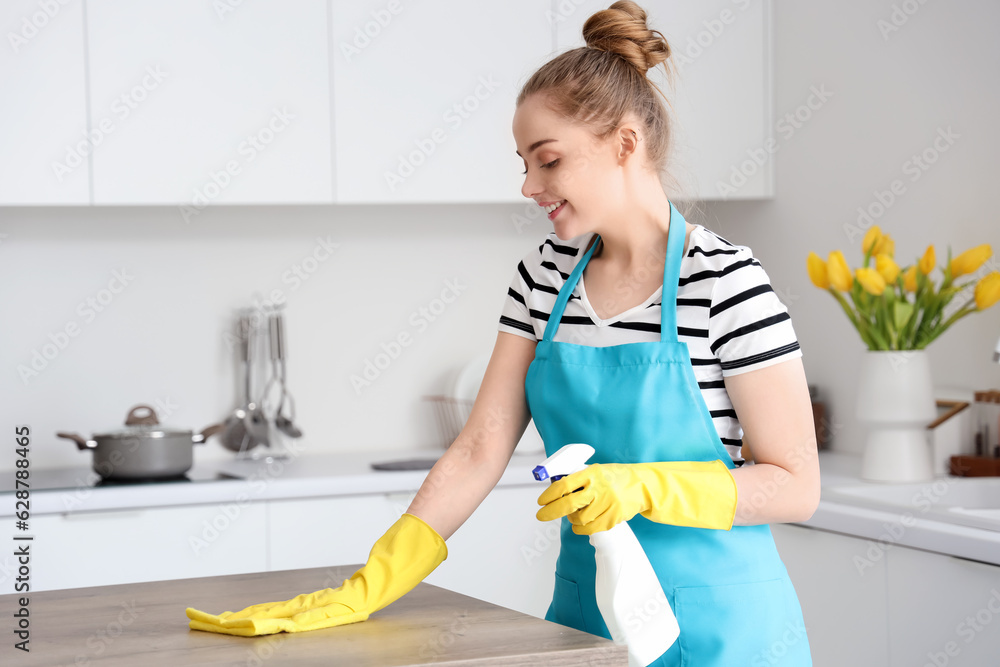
530	187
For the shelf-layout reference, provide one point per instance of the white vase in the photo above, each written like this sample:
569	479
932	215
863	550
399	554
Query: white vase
896	403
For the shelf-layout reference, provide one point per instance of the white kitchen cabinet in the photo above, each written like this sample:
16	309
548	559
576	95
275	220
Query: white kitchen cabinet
319	532
841	586
106	548
210	102
424	97
722	100
501	554
43	153
942	610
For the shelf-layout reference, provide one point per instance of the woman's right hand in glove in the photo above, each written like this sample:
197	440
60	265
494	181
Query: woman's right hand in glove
400	559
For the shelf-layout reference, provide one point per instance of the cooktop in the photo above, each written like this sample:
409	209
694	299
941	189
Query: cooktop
77	477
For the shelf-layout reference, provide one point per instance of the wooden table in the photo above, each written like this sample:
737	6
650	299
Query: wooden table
143	624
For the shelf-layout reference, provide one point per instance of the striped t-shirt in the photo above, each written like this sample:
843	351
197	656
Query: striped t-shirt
727	313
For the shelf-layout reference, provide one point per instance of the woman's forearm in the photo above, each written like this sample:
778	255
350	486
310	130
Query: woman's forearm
455	486
769	493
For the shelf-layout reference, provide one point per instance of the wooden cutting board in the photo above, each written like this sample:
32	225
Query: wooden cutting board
144	624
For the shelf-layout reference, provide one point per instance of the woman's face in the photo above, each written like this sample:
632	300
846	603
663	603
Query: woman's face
574	167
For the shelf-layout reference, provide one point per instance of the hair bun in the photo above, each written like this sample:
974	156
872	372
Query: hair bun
621	29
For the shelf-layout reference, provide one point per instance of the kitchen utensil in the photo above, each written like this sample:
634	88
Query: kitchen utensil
235	436
144	449
255	420
285	424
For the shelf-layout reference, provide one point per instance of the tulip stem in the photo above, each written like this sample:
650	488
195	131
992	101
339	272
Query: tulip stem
861	328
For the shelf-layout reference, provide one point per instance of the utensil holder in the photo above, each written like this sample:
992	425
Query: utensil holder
256	332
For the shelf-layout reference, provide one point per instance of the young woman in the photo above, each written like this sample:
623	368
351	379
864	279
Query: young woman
657	342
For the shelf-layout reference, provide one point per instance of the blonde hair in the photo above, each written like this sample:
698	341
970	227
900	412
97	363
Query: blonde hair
597	85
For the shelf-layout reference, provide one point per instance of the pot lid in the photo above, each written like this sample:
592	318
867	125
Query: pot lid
141	422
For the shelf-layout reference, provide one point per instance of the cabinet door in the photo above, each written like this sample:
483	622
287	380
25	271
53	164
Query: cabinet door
722	98
210	102
841	584
424	97
942	610
317	532
503	554
107	548
43	152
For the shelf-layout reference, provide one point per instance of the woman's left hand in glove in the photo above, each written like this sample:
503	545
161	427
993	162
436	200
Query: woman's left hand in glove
700	494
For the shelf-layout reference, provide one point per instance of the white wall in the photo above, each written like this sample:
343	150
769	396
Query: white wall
890	96
163	336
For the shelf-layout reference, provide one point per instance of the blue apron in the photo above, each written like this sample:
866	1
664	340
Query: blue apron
638	403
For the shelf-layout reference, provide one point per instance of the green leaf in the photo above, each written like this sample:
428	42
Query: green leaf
901	313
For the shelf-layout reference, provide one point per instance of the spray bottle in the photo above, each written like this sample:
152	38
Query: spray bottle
629	594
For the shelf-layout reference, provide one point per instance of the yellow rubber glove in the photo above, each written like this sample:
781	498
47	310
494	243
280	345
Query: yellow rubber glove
700	494
400	559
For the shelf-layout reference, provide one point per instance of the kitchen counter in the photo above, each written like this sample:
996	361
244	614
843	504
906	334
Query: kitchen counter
350	473
145	623
914	523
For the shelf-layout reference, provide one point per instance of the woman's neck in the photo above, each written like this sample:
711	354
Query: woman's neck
631	239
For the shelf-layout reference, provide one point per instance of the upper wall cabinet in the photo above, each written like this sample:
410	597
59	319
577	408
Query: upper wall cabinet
424	93
43	140
194	103
210	102
722	96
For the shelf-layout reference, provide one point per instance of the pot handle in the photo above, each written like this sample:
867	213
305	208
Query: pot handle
80	442
135	416
207	433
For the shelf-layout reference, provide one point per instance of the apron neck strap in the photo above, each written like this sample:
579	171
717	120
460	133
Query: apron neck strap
567	289
671	275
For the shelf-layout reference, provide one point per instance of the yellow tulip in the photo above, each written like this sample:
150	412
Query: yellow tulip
885	246
928	261
970	260
887	268
871	239
910	278
988	290
838	272
870	280
817	271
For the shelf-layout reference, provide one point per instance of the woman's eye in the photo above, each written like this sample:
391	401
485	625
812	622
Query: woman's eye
549	164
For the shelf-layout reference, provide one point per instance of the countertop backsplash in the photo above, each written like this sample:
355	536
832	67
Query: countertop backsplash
150	304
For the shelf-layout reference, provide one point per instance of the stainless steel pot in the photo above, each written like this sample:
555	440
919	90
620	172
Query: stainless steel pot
143	449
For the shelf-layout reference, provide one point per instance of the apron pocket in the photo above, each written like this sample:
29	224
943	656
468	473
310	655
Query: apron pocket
566	608
755	623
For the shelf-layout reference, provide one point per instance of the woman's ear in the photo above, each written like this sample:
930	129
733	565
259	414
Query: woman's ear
629	141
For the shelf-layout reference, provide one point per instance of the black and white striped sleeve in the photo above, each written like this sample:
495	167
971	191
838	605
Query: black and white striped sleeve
515	317
749	326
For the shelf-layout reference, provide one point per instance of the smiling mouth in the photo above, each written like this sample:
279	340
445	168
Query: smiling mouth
553	208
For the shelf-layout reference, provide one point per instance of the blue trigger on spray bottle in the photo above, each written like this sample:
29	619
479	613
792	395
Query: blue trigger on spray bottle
629	595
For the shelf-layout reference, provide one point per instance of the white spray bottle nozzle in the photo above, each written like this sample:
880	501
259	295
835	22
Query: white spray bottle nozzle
569	459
